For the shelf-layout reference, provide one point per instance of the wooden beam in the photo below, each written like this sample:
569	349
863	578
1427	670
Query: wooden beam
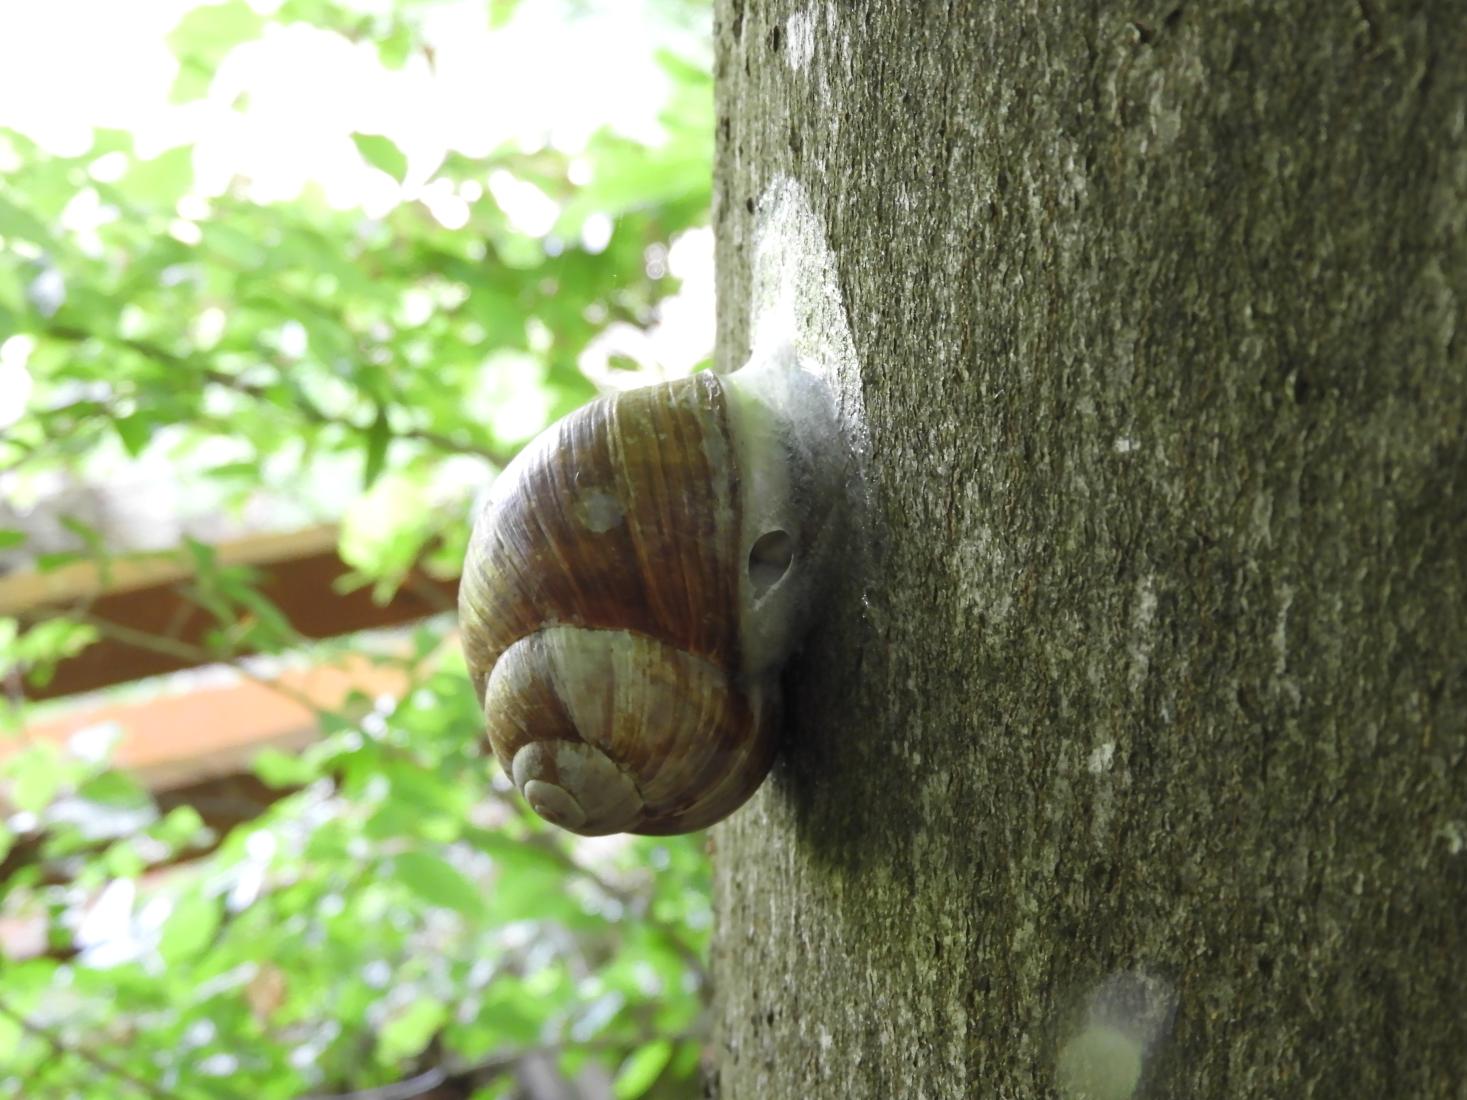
145	597
196	748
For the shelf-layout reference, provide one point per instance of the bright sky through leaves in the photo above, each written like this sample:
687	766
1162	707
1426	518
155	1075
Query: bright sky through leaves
282	108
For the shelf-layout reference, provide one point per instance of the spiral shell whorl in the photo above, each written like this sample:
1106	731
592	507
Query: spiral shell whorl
610	731
602	616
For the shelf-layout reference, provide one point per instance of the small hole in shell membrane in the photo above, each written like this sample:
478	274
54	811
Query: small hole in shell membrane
769	561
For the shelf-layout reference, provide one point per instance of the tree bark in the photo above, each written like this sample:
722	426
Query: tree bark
1148	710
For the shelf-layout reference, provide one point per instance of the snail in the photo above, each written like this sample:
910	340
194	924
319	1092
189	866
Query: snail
634	582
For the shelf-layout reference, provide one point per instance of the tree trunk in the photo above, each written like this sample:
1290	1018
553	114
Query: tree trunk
1132	762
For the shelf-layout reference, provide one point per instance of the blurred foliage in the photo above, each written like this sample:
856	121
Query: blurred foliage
395	916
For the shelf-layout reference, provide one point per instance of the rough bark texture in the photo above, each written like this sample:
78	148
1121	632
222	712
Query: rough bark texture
1158	664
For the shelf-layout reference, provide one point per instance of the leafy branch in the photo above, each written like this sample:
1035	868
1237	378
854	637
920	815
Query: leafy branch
91	1058
303	405
398	311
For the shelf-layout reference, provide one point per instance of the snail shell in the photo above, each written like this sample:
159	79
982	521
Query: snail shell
633	584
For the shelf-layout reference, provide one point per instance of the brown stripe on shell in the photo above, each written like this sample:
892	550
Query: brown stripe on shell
625	516
726	781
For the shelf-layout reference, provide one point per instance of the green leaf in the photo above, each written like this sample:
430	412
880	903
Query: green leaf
114	788
10	1036
507	1013
135	432
379	438
46	644
439	883
192	81
501	12
93	539
180	828
123	860
246	472
425	792
202	39
203	556
36	776
49	563
381	153
234	245
189	928
211	30
514	855
407	1032
163	179
268	628
11	538
283	769
384	530
640	1071
22	224
394	49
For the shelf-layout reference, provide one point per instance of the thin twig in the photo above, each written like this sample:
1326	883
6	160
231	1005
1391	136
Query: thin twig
141	639
496	1063
64	1049
307	409
15	693
184	651
398	1090
316	415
